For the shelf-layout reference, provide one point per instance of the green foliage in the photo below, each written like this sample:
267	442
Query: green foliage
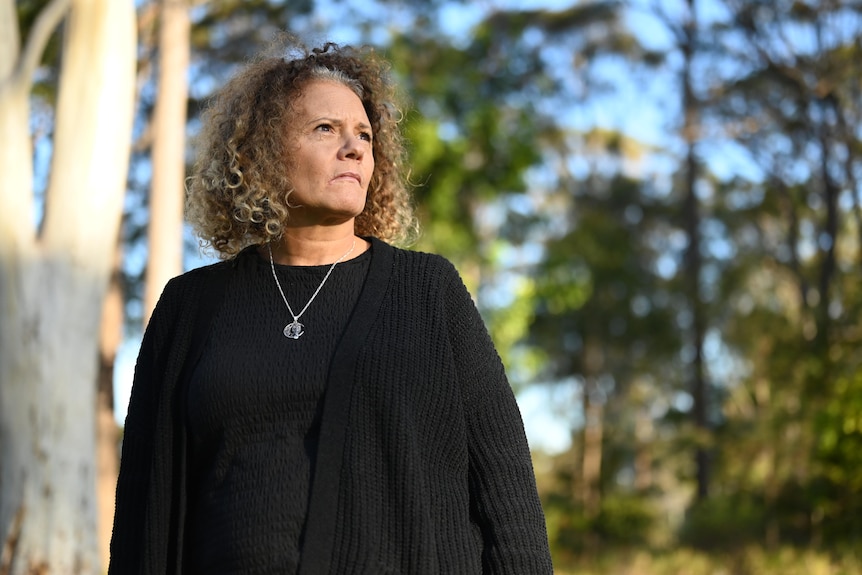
839	429
779	288
625	520
471	140
793	285
599	283
838	457
724	523
569	531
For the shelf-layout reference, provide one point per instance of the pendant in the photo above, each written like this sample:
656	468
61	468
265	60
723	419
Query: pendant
293	330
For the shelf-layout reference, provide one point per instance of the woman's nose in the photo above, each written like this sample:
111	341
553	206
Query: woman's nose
353	148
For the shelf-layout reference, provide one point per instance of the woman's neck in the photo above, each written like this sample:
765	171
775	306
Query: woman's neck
301	248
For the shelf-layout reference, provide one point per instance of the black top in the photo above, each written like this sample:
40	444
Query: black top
254	407
422	465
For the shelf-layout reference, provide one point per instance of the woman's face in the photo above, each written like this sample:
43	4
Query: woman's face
331	158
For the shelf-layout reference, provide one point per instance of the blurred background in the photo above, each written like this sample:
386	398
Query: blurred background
656	204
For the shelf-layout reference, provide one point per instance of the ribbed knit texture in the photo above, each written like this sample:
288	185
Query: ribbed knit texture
436	475
254	414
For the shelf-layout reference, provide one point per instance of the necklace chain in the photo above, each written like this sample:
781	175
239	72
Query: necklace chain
294	329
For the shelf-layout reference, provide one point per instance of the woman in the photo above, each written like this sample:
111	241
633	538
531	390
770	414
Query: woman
320	402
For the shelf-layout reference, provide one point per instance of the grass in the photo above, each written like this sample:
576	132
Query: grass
749	561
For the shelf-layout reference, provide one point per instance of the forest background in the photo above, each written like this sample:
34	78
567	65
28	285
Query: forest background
656	203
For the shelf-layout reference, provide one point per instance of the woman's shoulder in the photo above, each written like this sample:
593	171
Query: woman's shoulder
187	287
183	296
201	274
427	276
421	262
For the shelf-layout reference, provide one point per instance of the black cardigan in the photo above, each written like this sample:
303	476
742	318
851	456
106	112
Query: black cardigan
423	465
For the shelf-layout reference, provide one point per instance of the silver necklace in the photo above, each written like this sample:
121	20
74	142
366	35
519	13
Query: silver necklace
294	329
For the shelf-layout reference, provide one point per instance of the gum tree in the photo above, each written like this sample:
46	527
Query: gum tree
53	275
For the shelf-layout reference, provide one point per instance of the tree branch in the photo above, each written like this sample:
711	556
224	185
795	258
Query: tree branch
48	20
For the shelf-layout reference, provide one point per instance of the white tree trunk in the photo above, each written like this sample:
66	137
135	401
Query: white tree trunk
165	232
52	283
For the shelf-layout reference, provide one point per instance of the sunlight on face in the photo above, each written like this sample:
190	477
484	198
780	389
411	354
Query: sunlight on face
332	160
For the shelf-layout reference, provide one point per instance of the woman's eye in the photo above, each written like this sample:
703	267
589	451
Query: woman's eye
365	136
324	128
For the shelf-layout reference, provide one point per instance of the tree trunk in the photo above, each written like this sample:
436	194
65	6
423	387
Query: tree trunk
772	482
693	259
829	230
591	467
644	438
169	127
593	435
52	284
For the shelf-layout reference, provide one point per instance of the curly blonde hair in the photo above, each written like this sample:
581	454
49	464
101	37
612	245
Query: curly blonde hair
238	194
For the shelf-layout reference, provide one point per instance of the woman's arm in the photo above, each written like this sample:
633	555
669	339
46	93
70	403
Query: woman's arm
504	500
134	497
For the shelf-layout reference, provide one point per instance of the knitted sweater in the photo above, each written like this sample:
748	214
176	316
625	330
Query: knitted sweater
254	409
422	468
